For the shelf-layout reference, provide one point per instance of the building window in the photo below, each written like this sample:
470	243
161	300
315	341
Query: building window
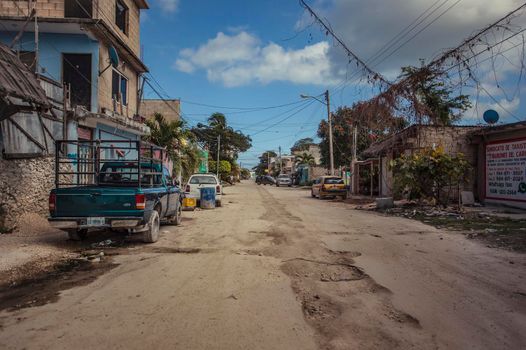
121	16
119	87
78	8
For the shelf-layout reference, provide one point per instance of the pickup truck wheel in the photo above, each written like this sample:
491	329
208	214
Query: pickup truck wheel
178	215
78	235
151	235
175	219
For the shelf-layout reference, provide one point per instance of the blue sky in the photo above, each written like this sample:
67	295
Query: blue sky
248	54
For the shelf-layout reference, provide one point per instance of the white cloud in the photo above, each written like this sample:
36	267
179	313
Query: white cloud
241	59
169	5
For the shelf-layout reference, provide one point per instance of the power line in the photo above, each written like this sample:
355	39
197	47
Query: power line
282	120
244	109
379	53
499	104
417	33
404	31
372	74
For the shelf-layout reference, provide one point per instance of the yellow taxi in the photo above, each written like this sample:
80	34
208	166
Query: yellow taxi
328	186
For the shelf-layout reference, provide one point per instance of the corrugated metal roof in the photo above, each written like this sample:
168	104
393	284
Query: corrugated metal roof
16	80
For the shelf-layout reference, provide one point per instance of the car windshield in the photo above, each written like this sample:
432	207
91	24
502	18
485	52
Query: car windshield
334	181
203	180
283	176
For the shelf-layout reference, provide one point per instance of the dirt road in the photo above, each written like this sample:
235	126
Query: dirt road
275	269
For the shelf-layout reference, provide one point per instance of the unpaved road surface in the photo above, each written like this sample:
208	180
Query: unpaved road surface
275	269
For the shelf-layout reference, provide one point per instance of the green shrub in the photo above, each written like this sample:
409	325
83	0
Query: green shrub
429	174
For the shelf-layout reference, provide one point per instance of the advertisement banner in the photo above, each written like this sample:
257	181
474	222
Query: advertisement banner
203	164
506	170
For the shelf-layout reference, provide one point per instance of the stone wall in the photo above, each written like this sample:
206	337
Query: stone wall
25	186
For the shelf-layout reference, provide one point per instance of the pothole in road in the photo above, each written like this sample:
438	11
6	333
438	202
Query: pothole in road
324	271
45	287
338	298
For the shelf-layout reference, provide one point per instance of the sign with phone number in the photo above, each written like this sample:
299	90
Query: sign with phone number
506	170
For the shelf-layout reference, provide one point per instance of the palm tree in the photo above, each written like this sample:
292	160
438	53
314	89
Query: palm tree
217	121
179	142
305	158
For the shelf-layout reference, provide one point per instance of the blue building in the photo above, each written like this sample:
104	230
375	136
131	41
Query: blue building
92	47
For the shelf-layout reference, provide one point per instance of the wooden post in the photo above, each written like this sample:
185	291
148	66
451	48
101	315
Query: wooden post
371	176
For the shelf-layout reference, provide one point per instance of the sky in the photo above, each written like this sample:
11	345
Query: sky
251	60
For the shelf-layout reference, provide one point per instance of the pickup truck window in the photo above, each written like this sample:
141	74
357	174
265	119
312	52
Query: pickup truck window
114	175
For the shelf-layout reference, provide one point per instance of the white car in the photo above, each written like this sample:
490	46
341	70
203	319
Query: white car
283	180
198	181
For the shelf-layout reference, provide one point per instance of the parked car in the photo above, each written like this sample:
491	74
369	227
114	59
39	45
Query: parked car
120	195
284	180
328	186
266	180
198	181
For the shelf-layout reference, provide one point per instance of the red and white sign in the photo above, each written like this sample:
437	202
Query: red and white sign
506	170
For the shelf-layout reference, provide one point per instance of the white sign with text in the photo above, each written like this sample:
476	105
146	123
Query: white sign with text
506	170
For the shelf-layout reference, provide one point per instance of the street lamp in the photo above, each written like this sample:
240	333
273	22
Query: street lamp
329	117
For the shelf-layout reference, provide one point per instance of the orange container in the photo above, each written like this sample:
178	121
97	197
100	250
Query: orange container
189	203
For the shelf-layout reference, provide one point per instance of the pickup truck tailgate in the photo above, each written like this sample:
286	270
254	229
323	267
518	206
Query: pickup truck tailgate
96	201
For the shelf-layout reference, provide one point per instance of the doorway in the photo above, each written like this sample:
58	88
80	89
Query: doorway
76	71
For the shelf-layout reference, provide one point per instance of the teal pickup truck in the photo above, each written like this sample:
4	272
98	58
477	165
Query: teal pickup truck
104	190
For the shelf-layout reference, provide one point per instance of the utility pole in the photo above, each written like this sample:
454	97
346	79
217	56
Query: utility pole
218	145
329	117
280	164
353	163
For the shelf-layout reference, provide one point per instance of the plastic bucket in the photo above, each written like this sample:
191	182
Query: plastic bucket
208	198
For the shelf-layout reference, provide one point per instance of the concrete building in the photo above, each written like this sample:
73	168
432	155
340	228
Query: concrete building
170	109
90	47
313	150
379	177
78	45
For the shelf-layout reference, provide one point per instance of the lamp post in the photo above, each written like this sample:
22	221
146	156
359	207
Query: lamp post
329	119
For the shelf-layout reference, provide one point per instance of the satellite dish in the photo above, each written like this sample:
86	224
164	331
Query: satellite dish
114	56
114	59
491	116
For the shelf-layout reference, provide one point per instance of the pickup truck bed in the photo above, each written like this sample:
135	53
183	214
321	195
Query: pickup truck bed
122	197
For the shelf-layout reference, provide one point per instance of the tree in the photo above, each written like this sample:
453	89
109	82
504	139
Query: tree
179	143
343	122
430	173
302	144
232	142
225	169
305	158
263	166
245	174
439	106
